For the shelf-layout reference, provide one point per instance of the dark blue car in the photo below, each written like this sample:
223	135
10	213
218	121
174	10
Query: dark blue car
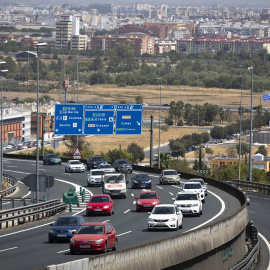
141	180
62	228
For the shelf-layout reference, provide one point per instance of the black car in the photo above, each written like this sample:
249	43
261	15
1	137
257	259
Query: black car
93	162
141	180
122	165
231	183
51	159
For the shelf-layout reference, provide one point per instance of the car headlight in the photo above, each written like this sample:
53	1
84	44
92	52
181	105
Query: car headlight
72	241
155	202
106	207
139	202
89	207
99	241
51	231
195	204
148	182
150	220
123	190
172	219
135	181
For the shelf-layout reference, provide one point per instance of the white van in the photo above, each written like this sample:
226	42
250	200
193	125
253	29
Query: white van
115	184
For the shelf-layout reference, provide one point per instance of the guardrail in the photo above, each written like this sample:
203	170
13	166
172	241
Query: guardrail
249	261
20	215
253	186
12	181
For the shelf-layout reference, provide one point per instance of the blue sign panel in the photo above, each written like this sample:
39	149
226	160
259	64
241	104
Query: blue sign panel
266	97
128	119
99	119
68	119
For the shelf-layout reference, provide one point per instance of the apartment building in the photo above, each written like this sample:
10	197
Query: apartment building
251	45
142	43
68	34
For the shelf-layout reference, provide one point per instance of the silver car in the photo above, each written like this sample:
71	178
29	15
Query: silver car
203	184
74	166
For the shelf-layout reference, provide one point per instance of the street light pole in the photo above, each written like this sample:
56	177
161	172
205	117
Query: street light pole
1	166
159	122
250	140
37	155
240	129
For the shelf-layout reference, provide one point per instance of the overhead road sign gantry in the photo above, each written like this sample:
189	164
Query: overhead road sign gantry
68	119
99	119
128	119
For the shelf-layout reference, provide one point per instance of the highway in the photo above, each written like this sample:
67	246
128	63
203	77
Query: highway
29	243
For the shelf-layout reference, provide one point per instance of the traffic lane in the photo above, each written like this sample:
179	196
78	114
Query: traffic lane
259	213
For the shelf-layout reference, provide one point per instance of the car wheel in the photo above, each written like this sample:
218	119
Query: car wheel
50	241
150	229
130	171
72	252
201	212
124	196
203	200
110	213
113	212
105	248
206	194
137	209
115	245
59	163
177	227
198	214
44	162
181	226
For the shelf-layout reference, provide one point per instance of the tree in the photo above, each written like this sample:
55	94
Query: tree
112	155
71	144
178	149
244	149
165	161
139	100
262	150
231	152
137	152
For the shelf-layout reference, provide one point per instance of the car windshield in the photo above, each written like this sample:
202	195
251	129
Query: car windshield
192	186
105	166
163	210
141	176
66	221
170	173
199	181
91	229
75	162
98	159
53	156
100	199
115	179
97	172
148	195
122	162
186	197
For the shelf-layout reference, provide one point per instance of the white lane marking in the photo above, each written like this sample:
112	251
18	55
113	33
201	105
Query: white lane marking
46	224
106	221
255	204
218	214
132	194
127	211
42	170
134	202
171	193
268	245
9	166
7	249
252	212
124	233
159	187
16	172
66	250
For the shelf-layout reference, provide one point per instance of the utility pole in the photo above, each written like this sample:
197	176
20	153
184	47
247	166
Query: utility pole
151	141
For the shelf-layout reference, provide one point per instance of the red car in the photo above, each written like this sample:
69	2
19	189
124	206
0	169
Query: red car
100	204
96	236
147	200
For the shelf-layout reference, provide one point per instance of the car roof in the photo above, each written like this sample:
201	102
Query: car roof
70	217
168	170
187	192
94	223
96	170
100	195
165	205
148	191
191	182
194	179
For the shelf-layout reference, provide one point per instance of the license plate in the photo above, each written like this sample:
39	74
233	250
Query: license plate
61	235
161	224
84	246
143	186
97	210
146	206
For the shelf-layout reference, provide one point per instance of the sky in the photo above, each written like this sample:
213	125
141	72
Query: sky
240	3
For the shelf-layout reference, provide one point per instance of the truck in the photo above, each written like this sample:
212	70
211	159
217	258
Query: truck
115	185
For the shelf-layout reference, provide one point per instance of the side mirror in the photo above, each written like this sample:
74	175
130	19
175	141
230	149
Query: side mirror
149	213
136	198
73	232
160	198
51	224
173	199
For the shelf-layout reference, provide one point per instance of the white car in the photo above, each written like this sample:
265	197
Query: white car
165	216
9	146
74	166
196	187
95	177
106	167
115	185
189	203
200	180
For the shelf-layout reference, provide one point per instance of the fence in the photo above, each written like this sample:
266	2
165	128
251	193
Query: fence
12	181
